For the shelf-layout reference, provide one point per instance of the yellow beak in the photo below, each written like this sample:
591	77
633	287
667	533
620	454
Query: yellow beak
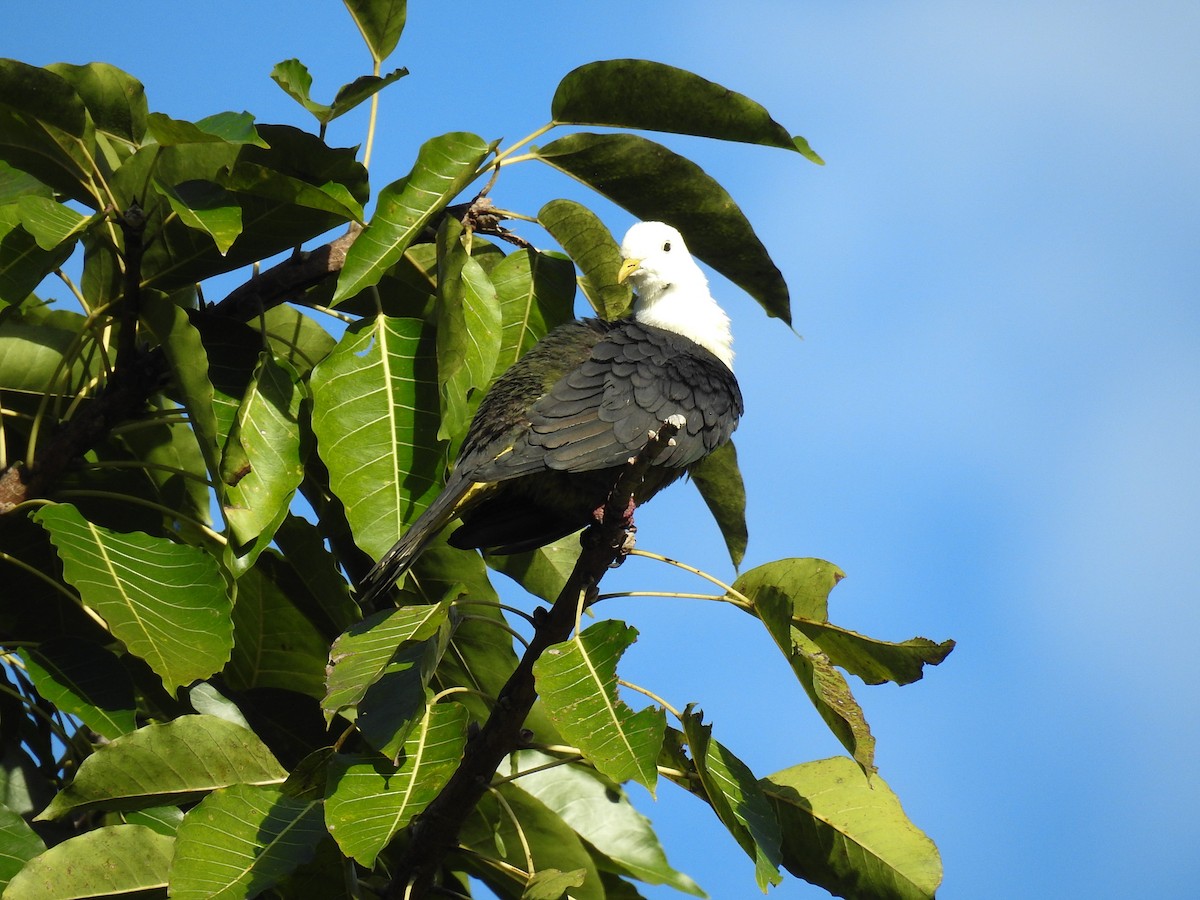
628	267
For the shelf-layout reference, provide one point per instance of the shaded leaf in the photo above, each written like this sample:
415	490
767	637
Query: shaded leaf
380	22
848	833
23	264
551	884
445	165
370	800
292	75
169	764
114	98
118	860
654	183
602	815
588	242
375	416
222	128
86	680
577	681
719	481
737	799
638	93
542	572
207	207
294	338
268	833
165	601
14	184
536	292
18	844
51	223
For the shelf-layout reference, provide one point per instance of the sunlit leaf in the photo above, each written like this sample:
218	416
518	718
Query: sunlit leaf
226	127
370	800
536	292
165	601
172	763
577	681
269	834
719	480
380	22
601	814
18	844
848	834
737	799
50	223
638	93
654	183
445	165
23	264
115	861
375	415
115	99
207	207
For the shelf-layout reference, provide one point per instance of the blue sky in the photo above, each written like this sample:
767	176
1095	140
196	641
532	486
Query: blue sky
992	422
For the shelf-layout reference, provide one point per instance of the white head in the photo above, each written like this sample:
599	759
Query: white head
671	291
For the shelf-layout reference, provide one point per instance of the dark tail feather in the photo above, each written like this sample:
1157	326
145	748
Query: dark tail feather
396	561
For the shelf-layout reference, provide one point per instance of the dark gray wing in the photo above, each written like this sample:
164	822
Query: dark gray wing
601	412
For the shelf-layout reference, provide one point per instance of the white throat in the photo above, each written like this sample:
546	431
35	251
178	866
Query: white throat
687	309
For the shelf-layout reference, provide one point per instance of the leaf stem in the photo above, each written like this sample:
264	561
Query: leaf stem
372	121
653	696
737	597
508	151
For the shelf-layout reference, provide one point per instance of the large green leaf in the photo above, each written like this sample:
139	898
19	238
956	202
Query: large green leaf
45	130
368	651
115	861
375	415
265	440
205	206
370	799
294	338
638	93
23	264
719	481
380	22
308	572
275	645
115	99
86	680
577	681
587	241
848	833
504	831
654	183
169	764
165	601
51	224
468	330
736	798
602	815
445	165
18	844
241	840
536	292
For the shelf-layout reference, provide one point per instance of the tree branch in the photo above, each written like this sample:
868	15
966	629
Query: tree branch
434	833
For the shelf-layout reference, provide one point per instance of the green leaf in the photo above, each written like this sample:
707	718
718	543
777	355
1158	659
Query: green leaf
577	681
536	292
45	131
223	128
18	844
600	813
170	764
375	415
505	830
367	652
266	435
719	481
50	223
23	264
308	572
86	680
118	860
266	832
588	242
380	22
551	884
445	165
331	197
638	93
848	833
165	601
160	819
542	572
114	98
777	590
370	800
468	331
363	88
206	207
736	798
292	75
294	338
275	645
656	184
15	184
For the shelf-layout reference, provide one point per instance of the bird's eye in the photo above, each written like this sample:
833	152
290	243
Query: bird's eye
667	247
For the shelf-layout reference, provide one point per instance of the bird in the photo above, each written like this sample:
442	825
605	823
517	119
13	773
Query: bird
554	432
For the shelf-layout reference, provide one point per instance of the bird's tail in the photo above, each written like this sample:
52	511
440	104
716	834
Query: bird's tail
393	564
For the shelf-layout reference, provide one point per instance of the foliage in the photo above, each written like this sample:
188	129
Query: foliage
193	700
